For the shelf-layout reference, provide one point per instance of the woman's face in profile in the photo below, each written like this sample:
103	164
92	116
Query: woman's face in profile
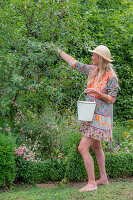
95	59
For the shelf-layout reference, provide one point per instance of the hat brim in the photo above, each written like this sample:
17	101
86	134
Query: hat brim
93	51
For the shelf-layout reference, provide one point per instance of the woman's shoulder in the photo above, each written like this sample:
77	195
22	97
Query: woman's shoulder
111	74
112	80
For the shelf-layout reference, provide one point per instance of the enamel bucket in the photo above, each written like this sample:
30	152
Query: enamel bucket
86	110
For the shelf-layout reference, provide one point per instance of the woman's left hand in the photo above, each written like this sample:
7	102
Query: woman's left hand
91	91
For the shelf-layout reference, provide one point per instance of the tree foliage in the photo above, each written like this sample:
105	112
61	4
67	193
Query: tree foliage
31	74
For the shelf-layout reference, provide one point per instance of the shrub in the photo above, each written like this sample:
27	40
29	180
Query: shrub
7	160
37	135
72	168
118	128
119	164
40	171
57	170
123	137
127	142
39	76
32	172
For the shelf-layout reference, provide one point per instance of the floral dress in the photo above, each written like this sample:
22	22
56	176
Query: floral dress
100	128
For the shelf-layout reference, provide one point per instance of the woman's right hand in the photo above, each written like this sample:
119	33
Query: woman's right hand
50	46
61	53
53	47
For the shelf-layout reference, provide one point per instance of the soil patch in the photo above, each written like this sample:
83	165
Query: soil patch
52	185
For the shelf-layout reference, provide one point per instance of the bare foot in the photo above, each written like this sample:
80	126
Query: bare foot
102	182
88	187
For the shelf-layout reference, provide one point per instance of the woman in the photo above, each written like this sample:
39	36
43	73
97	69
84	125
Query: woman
102	87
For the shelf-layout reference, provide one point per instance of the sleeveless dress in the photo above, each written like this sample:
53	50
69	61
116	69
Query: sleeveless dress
100	128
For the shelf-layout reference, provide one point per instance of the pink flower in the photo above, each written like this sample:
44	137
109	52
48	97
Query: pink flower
24	148
25	152
21	152
8	129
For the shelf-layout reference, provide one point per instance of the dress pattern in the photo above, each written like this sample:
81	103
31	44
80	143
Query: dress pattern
100	127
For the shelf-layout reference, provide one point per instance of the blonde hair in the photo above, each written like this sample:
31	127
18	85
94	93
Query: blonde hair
104	67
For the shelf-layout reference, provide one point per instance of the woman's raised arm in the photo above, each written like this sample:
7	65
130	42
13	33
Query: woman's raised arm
85	69
65	56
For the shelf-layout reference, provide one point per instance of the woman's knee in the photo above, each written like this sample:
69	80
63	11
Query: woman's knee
81	148
85	144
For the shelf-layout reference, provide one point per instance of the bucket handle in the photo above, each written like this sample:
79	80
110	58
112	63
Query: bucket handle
80	95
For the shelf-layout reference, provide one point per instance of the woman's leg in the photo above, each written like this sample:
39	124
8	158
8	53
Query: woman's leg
97	148
83	148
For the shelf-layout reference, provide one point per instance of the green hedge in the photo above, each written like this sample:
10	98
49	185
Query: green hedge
119	164
7	160
39	172
72	168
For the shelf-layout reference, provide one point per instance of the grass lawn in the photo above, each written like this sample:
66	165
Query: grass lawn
118	190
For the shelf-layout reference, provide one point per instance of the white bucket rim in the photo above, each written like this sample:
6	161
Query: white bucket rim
87	102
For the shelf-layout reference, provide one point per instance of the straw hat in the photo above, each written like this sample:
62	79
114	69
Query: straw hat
103	51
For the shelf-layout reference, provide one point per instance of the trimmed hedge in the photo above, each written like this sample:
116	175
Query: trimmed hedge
7	160
119	164
72	167
40	171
